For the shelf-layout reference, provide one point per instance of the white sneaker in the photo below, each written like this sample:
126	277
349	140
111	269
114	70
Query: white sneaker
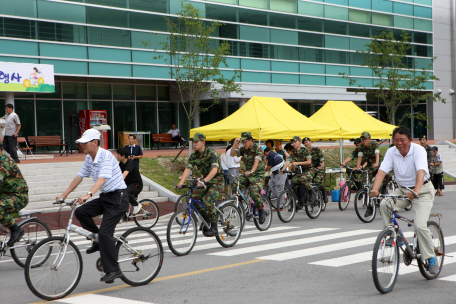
137	208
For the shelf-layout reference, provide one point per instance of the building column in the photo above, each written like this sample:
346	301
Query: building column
196	119
9	98
242	101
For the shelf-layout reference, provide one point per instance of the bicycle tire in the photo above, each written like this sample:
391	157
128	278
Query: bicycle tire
30	239
384	281
240	208
323	204
146	267
267	222
148	216
361	208
181	204
34	275
313	209
345	196
230	222
181	245
268	193
437	237
288	203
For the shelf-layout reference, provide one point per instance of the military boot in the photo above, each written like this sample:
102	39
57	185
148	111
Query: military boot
16	234
213	231
325	196
302	197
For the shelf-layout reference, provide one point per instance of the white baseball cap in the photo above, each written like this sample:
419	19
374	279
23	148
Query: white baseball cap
89	135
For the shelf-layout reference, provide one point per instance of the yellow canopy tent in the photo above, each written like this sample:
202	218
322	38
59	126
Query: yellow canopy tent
267	118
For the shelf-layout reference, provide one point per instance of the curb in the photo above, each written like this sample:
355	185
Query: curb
162	191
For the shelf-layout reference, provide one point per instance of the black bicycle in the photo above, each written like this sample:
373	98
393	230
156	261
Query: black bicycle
351	184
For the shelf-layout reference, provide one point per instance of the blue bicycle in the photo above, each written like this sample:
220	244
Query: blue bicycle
182	226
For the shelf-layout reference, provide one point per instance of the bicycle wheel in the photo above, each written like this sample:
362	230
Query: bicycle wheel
362	204
287	207
385	262
268	209
270	196
345	196
181	202
230	225
323	204
35	231
148	215
439	249
182	232
147	253
59	274
313	209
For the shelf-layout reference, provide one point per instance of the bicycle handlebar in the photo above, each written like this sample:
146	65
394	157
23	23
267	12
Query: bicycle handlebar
62	201
191	186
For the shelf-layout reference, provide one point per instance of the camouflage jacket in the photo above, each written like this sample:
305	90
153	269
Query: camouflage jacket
429	153
205	162
368	153
11	179
301	156
249	157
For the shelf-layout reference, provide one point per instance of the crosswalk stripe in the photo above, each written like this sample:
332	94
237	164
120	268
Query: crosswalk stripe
294	242
96	299
451	278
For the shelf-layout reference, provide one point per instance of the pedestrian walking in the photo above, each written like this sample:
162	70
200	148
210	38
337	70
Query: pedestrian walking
135	151
436	166
12	128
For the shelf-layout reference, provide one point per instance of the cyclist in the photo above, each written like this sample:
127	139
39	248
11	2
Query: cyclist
208	162
409	162
300	156
318	165
131	176
13	195
112	203
254	169
354	154
275	164
369	153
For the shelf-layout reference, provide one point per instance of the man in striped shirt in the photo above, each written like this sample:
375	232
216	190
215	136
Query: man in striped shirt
112	203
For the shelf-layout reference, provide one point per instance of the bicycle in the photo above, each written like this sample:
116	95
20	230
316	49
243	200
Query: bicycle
290	202
385	256
181	232
345	191
323	204
34	231
363	200
140	257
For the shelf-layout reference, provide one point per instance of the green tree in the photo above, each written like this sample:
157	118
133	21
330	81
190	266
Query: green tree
395	83
195	60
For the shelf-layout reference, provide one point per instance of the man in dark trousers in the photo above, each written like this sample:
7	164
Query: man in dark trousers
112	203
135	151
132	177
12	128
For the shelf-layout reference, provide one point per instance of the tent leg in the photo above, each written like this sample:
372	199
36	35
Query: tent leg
341	148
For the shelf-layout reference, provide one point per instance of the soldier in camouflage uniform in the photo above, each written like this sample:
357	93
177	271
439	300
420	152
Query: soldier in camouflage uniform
252	156
13	195
301	157
354	154
208	162
429	153
318	166
369	154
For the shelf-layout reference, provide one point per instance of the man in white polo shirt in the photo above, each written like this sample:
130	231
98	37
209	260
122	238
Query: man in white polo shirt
410	165
112	203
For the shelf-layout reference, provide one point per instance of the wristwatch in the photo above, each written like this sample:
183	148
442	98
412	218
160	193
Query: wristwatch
89	193
252	171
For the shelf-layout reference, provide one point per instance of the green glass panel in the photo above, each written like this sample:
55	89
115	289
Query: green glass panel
74	90
422	38
356	58
148	22
110	17
19	47
115	3
381	19
336	12
26	111
146	113
160	6
358	30
358	44
382	5
148	57
72	107
109	54
355	71
62	50
284	52
123	92
312	80
424	12
311	39
150	71
313	55
163	93
104	105
312	68
175	6
167	113
281	20
284	66
18	59
285	78
256	77
425	2
146	93
252	64
105	36
359	16
422	63
339	2
400	117
285	37
403	22
124	118
23	8
336	27
49	117
214	113
403	8
109	69
99	91
183	121
18	28
225	1
337	81
63	66
61	11
360	3
419	126
336	42
311	9
288	6
336	69
424	25
254	3
218	12
364	82
336	57
229	31
310	24
254	33
62	32
253	17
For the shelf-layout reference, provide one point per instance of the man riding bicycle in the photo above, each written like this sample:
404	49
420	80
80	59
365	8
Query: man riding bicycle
300	156
208	162
131	176
254	170
13	195
409	162
318	166
354	154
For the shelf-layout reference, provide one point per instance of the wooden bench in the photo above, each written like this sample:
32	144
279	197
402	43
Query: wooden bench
161	139
46	141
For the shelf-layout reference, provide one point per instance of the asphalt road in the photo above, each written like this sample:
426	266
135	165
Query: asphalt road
305	261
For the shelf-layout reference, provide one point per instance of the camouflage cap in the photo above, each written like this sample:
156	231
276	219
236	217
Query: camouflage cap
296	138
306	139
423	137
366	135
199	137
357	141
246	135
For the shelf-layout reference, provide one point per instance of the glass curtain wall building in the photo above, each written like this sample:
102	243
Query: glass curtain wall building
294	49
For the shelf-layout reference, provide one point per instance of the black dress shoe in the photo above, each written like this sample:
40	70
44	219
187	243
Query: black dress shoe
16	234
111	276
95	247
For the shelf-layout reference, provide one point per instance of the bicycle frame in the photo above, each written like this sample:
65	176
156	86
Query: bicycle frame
4	247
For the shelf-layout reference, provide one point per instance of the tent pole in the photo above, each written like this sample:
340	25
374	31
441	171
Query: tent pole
341	147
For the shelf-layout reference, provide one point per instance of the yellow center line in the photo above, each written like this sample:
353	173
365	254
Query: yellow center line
160	279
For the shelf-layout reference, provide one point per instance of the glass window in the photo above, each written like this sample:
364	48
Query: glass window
336	57
382	19
233	106
105	105
311	9
312	55
218	12
312	68
105	36
304	108
61	11
229	31
310	24
213	114
357	58
422	38
163	93
280	20
311	39
403	9
99	91
359	16
403	22
419	126
424	12
72	107
26	111
359	30
146	93
336	27
400	117
254	3
358	44
23	8
253	17
425	2
255	50
123	92
424	25
340	2
49	117
56	94
160	6
254	33
167	113
382	5
148	22
124	118
284	52
225	1
110	17
146	113
288	6
336	12
285	37
61	32
115	3
17	28
74	90
360	3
